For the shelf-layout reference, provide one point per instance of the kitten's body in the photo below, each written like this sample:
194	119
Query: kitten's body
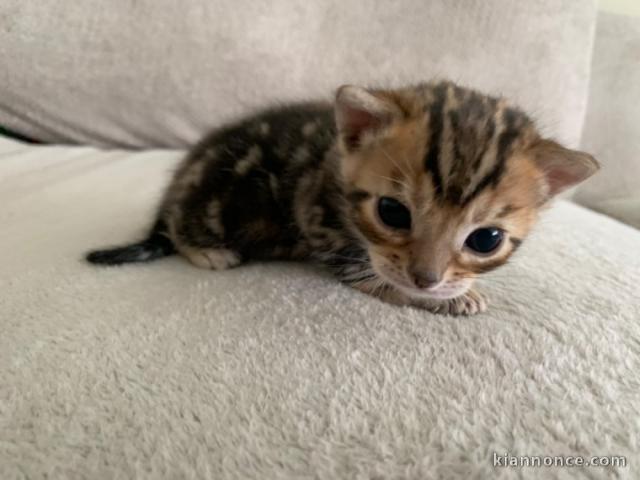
265	188
297	183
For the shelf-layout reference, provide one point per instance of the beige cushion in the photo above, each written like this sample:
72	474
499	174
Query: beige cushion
160	72
612	128
276	370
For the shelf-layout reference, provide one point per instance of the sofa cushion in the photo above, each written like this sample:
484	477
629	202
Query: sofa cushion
155	73
278	371
612	128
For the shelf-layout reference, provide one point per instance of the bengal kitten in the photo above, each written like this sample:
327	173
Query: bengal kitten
404	194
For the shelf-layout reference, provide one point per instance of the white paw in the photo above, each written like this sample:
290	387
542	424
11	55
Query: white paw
212	258
470	303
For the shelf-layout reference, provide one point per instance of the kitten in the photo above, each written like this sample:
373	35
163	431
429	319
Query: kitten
404	194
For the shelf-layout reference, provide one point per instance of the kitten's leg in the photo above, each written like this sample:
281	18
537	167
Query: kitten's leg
211	258
189	240
470	303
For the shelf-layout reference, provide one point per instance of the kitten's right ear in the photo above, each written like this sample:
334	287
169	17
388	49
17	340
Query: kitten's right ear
360	112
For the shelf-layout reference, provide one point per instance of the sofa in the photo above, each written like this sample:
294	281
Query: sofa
275	370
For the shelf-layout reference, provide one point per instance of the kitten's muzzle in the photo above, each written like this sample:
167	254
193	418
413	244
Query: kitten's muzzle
424	279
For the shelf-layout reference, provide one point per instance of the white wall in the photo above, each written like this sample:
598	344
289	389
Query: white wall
628	7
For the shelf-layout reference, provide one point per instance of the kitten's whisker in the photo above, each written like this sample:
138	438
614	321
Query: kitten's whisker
501	277
358	278
350	259
377	290
356	283
394	180
404	173
407	164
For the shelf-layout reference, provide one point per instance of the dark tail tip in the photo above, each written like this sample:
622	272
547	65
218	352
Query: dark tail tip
156	246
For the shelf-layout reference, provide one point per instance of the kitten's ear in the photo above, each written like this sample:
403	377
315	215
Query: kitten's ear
360	112
562	167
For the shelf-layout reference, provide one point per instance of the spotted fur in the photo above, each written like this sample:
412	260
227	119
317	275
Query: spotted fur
304	181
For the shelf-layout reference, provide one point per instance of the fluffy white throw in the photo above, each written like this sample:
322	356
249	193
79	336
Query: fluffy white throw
276	371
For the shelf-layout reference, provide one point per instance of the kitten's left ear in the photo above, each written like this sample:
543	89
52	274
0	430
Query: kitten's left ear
562	167
360	112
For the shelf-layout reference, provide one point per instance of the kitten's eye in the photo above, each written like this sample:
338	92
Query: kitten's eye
394	214
484	240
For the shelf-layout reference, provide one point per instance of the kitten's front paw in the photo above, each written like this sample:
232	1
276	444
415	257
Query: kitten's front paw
470	303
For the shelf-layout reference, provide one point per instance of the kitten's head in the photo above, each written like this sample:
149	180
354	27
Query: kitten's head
444	183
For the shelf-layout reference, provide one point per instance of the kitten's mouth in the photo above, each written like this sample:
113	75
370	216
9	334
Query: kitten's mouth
443	291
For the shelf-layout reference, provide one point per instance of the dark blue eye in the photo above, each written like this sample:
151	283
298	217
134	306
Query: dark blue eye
394	214
484	240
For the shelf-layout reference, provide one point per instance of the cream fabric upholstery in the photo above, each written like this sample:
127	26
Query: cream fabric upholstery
276	371
156	73
612	128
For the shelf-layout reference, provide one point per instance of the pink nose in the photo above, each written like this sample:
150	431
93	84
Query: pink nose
424	278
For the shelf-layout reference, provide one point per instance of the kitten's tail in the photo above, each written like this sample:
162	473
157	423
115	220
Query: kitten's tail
157	245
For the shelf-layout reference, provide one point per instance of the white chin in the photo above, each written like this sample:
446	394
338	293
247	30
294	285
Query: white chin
443	293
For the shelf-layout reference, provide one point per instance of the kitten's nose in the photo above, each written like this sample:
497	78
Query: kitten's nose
424	278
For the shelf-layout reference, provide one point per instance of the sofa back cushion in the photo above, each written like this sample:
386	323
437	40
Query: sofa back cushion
612	127
158	73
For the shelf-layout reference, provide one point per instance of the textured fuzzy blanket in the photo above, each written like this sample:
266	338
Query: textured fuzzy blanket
277	371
